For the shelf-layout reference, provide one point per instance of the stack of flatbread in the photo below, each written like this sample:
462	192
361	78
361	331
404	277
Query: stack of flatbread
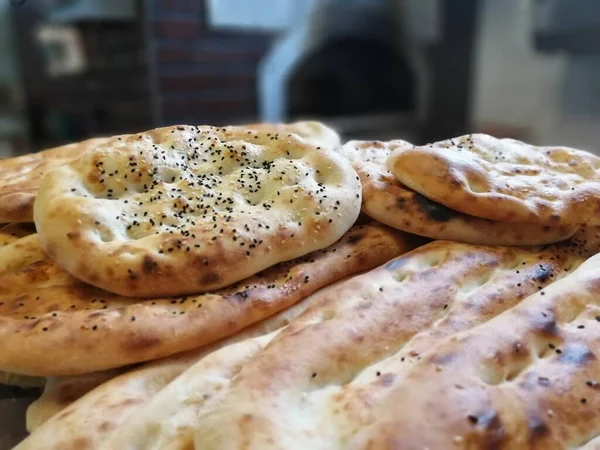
268	287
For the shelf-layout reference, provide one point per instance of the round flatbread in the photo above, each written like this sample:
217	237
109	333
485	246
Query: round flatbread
53	324
20	177
389	201
180	210
504	179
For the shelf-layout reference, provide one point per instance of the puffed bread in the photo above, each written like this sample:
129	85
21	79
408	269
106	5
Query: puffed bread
20	177
504	179
529	378
128	403
52	324
318	383
387	200
139	214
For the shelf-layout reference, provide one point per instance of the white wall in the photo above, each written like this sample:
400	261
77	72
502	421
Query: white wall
514	85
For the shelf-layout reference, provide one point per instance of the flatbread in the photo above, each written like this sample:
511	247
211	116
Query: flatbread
219	203
504	179
320	382
132	403
12	232
314	132
526	379
8	235
20	177
60	392
387	200
52	324
17	255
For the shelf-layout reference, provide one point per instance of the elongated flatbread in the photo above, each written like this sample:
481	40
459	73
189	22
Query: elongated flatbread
526	379
60	392
220	203
504	179
11	232
53	324
20	177
24	255
165	393
387	200
145	409
319	382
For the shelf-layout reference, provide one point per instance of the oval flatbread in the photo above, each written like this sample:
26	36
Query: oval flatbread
389	201
153	406
20	177
504	179
184	209
53	324
320	381
129	409
528	378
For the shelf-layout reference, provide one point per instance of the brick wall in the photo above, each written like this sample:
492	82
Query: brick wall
203	76
194	74
111	96
113	93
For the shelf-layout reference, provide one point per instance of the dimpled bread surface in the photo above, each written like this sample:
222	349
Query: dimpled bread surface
152	405
53	324
504	179
387	200
321	380
187	209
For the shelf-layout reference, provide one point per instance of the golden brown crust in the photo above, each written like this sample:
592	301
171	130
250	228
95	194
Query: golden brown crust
526	379
20	177
319	382
387	200
141	213
53	324
165	393
504	179
17	255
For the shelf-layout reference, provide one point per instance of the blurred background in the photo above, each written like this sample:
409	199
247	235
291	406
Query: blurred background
420	70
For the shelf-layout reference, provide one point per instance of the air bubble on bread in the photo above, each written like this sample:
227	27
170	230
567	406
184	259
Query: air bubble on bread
476	282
